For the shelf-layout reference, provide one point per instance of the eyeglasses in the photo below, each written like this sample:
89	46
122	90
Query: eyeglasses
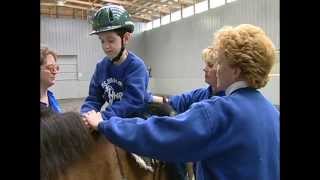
52	68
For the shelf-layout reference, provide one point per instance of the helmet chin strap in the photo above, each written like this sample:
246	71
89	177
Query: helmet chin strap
117	58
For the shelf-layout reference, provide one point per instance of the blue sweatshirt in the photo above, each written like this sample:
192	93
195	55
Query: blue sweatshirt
123	87
181	103
230	137
53	103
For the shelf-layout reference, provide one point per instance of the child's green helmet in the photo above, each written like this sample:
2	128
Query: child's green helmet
111	17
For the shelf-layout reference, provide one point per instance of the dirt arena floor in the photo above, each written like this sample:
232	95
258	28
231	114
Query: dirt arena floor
71	104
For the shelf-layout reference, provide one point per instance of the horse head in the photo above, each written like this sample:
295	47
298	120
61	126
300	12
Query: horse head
64	139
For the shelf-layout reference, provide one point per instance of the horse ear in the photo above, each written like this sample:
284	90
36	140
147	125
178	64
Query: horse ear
161	109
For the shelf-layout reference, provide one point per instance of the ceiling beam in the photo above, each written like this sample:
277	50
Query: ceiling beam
162	10
49	13
185	2
84	3
118	2
158	9
53	12
179	3
76	7
48	4
65	5
139	18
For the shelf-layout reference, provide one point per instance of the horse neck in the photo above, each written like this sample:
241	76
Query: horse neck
103	164
99	165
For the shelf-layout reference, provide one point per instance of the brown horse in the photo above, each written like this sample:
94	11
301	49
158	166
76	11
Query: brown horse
69	151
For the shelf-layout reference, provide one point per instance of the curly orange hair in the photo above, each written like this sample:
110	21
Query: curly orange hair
248	48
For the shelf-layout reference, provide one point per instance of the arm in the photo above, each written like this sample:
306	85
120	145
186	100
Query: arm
94	101
182	102
178	139
135	90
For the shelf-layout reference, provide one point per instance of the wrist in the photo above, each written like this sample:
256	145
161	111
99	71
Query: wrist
98	126
165	99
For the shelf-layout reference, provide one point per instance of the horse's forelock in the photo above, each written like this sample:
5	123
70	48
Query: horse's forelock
64	140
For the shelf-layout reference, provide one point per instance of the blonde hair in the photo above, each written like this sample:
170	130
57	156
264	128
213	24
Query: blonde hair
209	55
248	48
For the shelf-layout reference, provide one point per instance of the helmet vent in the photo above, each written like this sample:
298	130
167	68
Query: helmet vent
111	18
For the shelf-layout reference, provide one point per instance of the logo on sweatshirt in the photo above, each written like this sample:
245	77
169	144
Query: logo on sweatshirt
112	90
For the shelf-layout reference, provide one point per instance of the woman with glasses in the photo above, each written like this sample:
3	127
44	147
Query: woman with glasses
48	71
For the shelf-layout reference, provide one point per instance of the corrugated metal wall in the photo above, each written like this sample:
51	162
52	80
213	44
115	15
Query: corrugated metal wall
174	50
70	37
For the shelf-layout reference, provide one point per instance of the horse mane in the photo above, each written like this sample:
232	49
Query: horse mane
64	139
161	109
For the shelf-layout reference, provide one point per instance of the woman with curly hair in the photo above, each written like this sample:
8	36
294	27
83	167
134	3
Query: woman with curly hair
235	136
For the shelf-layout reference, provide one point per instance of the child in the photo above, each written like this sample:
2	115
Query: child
121	78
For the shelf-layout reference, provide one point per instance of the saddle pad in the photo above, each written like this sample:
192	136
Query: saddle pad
144	162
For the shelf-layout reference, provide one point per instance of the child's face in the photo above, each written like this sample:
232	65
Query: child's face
111	43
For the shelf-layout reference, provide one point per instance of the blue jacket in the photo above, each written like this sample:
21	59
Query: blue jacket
123	87
181	103
53	103
230	137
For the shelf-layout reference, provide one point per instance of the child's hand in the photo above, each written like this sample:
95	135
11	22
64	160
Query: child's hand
93	118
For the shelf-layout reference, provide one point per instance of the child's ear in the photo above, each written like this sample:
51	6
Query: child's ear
127	36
